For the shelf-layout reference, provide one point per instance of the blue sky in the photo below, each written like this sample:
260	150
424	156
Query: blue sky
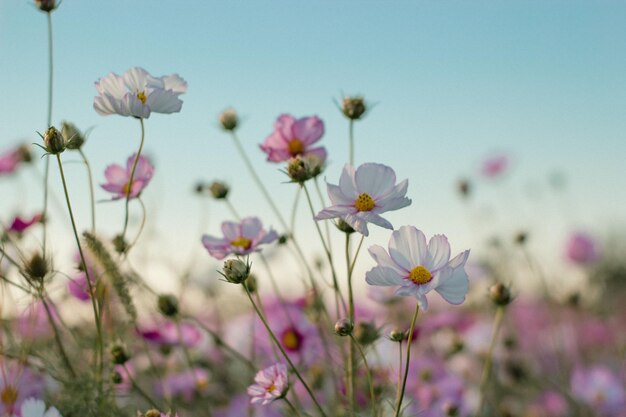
452	83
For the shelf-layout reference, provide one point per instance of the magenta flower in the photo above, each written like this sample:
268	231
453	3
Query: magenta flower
167	334
77	285
9	161
600	388
271	384
20	224
581	248
363	195
239	238
494	166
417	267
118	178
294	137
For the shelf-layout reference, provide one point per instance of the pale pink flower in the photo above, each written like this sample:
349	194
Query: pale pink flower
9	161
417	267
239	238
363	195
118	178
137	94
600	388
271	384
169	334
294	137
494	166
581	248
184	384
17	383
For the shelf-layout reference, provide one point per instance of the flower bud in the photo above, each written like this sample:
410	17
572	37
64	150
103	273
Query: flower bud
168	305
521	238
25	153
500	294
464	188
46	5
450	409
37	268
119	356
282	239
229	119
120	244
235	271
74	139
199	187
353	107
344	327
344	227
366	333
152	413
397	335
54	141
219	190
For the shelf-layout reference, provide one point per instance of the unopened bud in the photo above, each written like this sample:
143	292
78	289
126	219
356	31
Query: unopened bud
54	141
353	107
229	119
235	271
366	333
168	305
397	335
25	153
450	409
500	294
119	243
74	139
37	268
119	356
282	239
219	190
344	327
464	187
521	237
199	187
344	227
46	5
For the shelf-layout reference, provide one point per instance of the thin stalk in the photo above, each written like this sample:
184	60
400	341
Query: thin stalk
282	351
141	226
399	385
294	209
368	373
132	176
351	352
497	324
57	336
351	138
49	122
50	68
326	225
408	359
100	344
294	409
91	193
232	209
139	389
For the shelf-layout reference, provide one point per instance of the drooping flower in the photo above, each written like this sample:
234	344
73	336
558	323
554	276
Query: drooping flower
494	166
294	137
581	248
239	238
37	408
417	267
271	384
137	94
600	388
118	178
363	195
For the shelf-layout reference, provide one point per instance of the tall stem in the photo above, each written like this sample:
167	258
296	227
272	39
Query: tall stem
91	192
48	122
368	373
282	351
57	336
351	352
351	136
408	359
497	323
132	176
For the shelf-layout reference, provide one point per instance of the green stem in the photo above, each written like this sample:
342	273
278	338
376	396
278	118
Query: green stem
408	359
351	137
497	323
232	209
399	385
294	409
49	122
100	344
57	336
282	351
91	192
351	352
132	176
141	226
368	372
139	389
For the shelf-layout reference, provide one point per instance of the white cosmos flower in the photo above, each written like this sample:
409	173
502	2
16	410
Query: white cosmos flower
37	408
137	93
417	267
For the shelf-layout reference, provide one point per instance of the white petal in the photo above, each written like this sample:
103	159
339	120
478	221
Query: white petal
397	191
231	230
439	252
52	412
33	408
347	184
459	260
408	245
372	217
382	258
175	83
374	179
357	223
453	285
131	105
337	197
137	79
111	84
387	277
162	101
389	204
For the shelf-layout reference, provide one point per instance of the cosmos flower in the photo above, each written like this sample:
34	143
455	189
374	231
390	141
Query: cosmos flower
17	383
184	384
363	195
494	166
599	387
20	224
271	384
37	408
239	238
581	248
137	94
118	178
167	334
417	267
9	161
294	137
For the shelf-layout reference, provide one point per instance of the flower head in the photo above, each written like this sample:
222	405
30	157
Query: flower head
363	195
271	384
20	224
17	383
294	137
494	166
417	267
239	238
581	249
137	94
600	388
118	178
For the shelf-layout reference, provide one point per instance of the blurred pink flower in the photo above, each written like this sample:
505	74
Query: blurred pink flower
494	166
581	248
240	406
184	384
167	334
77	285
118	178
363	195
17	383
417	267
600	388
137	94
9	161
239	238
20	224
271	384
33	323
294	137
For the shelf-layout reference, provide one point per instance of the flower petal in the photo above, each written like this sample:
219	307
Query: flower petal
163	101
439	252
347	184
383	259
407	246
374	179
308	129
453	285
251	227
387	277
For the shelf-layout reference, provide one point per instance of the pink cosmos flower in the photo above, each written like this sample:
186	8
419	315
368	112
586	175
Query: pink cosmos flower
239	238
20	224
363	195
494	166
167	334
599	387
118	178
184	384
33	323
9	161
17	383
417	267
77	285
294	137
137	94
581	248
271	384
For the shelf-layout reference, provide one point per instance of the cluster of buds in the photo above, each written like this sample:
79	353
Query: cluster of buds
353	107
235	271
74	138
303	168
217	189
229	120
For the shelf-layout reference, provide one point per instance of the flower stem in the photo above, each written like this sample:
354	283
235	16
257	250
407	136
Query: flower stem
57	336
408	359
91	192
139	389
351	138
48	123
497	324
94	304
282	351
294	409
350	389
368	372
132	176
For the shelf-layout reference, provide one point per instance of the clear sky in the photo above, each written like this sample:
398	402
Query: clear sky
452	82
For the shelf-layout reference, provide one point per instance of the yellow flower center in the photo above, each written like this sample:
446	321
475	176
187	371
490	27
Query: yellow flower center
242	242
127	188
8	396
141	95
201	384
295	146
364	202
420	275
291	339
271	388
